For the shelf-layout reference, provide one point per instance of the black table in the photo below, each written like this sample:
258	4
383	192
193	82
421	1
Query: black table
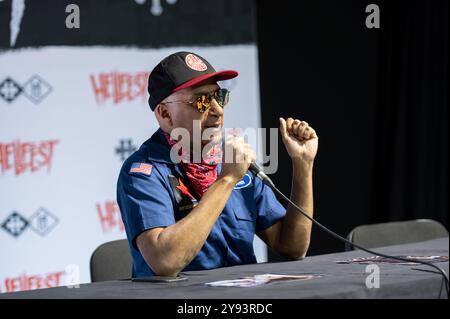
338	281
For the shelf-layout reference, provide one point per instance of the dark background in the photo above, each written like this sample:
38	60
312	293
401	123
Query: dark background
378	98
126	23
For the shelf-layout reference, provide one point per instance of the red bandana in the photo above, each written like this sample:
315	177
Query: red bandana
200	175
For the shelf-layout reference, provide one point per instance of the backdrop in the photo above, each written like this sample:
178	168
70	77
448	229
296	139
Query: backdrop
378	99
73	106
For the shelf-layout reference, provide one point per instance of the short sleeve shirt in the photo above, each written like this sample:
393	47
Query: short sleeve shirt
152	191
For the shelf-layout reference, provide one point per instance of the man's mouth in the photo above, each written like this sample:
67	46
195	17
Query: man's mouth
212	126
213	132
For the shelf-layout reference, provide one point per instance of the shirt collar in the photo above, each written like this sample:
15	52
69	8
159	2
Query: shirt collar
158	148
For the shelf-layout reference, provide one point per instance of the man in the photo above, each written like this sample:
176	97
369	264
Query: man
189	216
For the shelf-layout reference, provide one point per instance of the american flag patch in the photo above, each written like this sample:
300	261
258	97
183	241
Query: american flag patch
142	168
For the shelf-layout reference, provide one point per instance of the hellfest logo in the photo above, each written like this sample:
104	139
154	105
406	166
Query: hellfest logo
25	282
109	216
119	87
20	157
69	277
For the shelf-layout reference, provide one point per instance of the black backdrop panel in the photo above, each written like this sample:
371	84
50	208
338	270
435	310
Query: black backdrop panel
121	22
378	99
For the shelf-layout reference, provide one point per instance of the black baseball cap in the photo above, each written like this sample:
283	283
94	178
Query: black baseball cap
178	71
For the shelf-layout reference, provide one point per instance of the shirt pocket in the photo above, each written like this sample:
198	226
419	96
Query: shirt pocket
245	222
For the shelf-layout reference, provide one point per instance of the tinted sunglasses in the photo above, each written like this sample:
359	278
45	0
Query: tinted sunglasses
202	101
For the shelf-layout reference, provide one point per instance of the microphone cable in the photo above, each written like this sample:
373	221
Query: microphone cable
254	168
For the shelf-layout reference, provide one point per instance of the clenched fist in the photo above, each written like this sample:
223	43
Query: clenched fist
300	139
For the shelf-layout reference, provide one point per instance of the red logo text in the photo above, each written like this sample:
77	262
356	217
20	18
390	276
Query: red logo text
29	282
119	86
26	156
109	216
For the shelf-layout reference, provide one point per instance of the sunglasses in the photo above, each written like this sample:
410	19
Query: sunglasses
203	101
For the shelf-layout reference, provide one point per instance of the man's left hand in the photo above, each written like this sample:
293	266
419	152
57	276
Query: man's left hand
300	140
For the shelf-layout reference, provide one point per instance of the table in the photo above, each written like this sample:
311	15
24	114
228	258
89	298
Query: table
338	281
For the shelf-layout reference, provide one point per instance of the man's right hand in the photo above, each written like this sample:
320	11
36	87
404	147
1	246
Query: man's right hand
168	250
236	159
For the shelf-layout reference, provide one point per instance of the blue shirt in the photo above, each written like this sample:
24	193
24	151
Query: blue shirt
150	194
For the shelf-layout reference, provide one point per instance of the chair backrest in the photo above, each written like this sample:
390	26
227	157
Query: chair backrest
111	261
396	233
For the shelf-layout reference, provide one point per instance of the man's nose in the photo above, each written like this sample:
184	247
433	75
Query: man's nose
215	109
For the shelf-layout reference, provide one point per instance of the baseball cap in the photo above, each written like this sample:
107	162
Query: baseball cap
178	71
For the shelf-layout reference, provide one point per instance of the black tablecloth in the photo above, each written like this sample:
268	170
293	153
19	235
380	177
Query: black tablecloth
338	280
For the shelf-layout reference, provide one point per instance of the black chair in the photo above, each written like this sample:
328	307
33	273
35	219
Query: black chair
111	261
396	233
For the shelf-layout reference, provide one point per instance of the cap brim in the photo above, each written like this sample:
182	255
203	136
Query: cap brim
218	76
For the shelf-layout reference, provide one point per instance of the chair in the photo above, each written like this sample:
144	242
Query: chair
111	261
396	233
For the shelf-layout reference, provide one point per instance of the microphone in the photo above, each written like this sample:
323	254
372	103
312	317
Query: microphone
257	170
254	168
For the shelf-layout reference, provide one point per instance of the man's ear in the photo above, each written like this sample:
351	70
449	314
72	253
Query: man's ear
164	117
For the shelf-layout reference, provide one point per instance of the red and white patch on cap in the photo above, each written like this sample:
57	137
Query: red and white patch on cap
195	63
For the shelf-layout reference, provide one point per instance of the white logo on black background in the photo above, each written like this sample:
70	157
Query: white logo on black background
17	11
156	8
